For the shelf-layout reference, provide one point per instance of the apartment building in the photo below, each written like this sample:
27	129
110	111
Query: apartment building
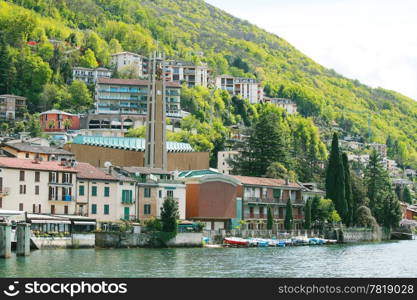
260	193
37	186
223	158
247	88
129	96
189	73
89	75
123	60
10	105
287	104
55	120
105	196
154	186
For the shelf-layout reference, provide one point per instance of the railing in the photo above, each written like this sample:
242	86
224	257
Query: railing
128	201
262	200
66	198
60	183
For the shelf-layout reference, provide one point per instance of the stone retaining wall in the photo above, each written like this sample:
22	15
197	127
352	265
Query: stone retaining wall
74	241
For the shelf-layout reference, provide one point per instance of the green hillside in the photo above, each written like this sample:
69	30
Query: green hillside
193	30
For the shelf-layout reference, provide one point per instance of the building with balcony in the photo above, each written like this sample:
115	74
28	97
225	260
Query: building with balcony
124	60
59	121
185	72
287	104
129	97
28	150
104	196
37	186
154	186
90	76
310	191
246	88
260	193
11	105
212	198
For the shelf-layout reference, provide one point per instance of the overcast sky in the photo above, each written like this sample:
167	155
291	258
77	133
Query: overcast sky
374	41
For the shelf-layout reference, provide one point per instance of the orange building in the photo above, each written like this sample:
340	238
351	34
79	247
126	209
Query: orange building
56	121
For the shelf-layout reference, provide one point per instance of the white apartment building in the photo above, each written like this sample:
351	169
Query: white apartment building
104	196
223	158
247	88
37	186
287	104
186	72
123	60
89	75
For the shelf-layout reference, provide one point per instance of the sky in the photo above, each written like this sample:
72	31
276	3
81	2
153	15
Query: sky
374	41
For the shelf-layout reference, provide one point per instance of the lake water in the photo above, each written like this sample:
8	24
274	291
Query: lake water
390	259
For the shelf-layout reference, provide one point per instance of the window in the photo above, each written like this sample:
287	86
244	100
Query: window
147	192
1	202
21	206
127	196
36	189
93	209
66	178
160	193
27	155
52	209
106	209
37	176
22	189
39	208
22	176
53	177
106	191
81	190
66	209
94	191
276	193
170	194
147	209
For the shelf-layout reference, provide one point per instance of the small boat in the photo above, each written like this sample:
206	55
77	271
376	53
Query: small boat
235	241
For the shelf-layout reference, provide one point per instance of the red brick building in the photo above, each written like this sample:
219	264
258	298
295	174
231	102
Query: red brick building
58	121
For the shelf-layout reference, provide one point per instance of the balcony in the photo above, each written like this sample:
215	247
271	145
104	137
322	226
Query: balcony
259	200
4	191
60	183
128	201
64	198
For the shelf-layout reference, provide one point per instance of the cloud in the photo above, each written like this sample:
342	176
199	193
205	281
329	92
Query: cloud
373	41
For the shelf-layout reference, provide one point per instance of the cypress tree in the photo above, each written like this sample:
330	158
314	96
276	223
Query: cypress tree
169	215
307	215
335	179
315	204
288	222
348	190
406	197
270	220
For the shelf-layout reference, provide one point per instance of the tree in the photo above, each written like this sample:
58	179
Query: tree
7	70
4	128
315	208
270	219
266	144
288	221
390	211
348	191
278	171
33	124
88	60
307	214
406	195
358	195
365	218
335	180
67	124
169	215
81	99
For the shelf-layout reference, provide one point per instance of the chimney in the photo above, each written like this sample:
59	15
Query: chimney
287	181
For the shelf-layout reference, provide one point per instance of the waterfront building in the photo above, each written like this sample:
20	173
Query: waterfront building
37	186
154	186
123	60
32	150
260	193
287	104
311	191
10	105
121	151
89	75
129	97
59	121
247	88
212	198
105	196
223	158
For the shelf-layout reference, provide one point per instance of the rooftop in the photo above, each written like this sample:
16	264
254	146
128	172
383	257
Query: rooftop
56	111
197	173
133	82
12	96
28	147
143	170
134	144
28	164
266	181
87	171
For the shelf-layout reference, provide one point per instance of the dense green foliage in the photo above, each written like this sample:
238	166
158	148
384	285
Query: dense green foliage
269	220
169	215
335	180
307	214
90	30
348	190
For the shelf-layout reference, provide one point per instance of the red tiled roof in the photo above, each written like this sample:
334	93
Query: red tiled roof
266	181
29	164
132	82
87	171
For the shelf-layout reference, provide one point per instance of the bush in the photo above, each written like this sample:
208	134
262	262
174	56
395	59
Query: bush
153	224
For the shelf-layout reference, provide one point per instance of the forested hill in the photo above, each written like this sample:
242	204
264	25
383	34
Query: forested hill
194	30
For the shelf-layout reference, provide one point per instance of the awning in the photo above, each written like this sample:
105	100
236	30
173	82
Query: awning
84	223
49	222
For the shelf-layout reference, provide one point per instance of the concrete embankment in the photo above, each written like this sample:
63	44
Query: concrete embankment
73	241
